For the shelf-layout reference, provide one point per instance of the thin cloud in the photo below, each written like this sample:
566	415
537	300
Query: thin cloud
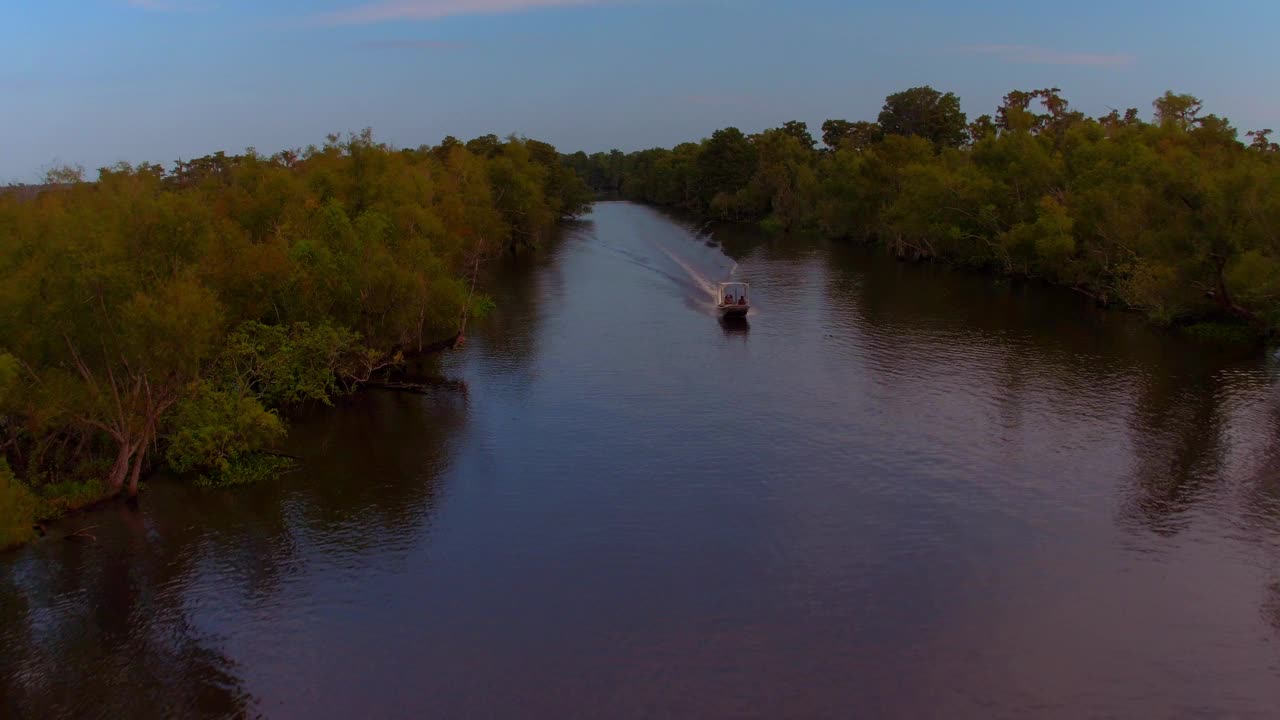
14	82
1032	55
408	45
717	100
388	10
164	5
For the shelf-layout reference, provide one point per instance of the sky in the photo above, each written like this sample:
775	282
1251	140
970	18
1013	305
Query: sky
95	82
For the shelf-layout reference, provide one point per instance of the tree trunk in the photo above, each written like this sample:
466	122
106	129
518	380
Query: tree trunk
1223	298
120	469
137	468
1226	303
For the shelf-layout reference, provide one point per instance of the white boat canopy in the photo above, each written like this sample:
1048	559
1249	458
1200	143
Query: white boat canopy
730	292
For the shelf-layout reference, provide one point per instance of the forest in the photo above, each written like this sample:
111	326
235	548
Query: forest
161	317
170	317
1174	216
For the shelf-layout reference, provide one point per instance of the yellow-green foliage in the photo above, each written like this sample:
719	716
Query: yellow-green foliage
156	306
18	509
69	495
215	428
245	470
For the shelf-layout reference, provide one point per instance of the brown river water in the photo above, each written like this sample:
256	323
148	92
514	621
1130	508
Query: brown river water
898	491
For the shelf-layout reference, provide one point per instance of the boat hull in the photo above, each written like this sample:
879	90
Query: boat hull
734	311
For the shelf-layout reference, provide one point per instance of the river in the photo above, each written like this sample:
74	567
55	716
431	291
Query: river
899	491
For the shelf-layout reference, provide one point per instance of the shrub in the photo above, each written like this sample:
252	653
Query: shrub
212	430
245	470
70	495
18	509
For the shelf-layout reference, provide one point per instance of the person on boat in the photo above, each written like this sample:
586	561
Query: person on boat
742	300
728	299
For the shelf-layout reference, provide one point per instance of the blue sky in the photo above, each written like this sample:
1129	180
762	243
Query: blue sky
98	81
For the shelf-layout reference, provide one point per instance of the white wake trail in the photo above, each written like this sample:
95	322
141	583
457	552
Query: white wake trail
706	285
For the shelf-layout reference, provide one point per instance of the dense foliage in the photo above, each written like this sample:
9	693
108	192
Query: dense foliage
1173	216
158	314
17	509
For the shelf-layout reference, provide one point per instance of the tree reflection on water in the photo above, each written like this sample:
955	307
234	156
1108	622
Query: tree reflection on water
123	620
96	630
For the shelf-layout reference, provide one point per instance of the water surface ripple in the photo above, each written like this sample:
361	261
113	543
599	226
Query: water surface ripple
899	491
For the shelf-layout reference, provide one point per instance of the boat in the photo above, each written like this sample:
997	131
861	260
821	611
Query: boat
733	299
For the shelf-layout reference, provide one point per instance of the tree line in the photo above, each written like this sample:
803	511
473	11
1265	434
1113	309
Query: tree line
1173	216
164	317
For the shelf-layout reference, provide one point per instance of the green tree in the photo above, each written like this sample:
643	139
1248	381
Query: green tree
485	146
858	135
799	131
177	311
784	186
1260	140
214	431
981	129
1179	111
925	112
725	165
1170	217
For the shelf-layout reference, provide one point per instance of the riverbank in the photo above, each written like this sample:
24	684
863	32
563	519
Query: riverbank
1230	332
1172	217
1212	327
207	299
27	514
27	510
928	473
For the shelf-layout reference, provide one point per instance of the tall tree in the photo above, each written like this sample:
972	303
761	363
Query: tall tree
1260	140
1178	110
726	164
925	112
859	135
799	131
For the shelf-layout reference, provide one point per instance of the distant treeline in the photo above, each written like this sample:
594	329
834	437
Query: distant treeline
164	316
1175	216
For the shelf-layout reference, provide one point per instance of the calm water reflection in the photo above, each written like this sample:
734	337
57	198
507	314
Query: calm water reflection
897	491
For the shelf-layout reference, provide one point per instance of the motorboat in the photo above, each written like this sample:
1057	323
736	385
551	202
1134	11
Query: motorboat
733	299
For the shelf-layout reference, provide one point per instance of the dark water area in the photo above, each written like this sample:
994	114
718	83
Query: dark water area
896	491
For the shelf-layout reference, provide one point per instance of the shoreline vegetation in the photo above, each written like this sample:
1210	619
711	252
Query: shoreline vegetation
172	317
1174	217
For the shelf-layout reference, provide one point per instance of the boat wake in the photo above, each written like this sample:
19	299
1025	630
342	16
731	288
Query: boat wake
699	280
696	270
705	291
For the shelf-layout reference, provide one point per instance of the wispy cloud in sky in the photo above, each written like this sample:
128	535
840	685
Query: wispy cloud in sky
589	74
167	5
388	10
718	100
409	45
1032	55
